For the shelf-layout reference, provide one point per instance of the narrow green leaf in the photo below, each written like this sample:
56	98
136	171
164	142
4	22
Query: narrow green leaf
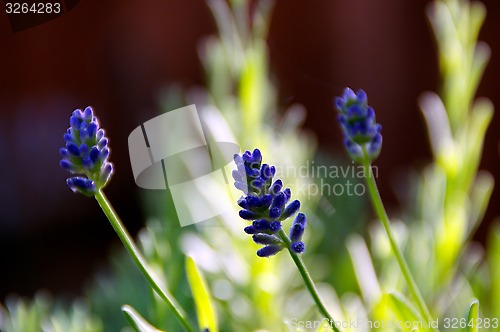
494	267
207	317
253	90
137	321
481	56
477	15
406	312
472	140
482	189
472	316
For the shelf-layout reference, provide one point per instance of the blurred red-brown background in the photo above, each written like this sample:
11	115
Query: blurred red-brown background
118	56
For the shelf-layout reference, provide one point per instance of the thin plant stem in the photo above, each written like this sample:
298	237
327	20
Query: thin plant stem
378	205
139	260
308	280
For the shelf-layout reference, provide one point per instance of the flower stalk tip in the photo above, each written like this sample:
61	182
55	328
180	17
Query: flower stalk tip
265	203
362	137
86	153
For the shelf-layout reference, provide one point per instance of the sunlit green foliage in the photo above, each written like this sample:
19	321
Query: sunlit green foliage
349	256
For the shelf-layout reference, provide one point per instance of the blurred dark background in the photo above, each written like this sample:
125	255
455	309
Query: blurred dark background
118	56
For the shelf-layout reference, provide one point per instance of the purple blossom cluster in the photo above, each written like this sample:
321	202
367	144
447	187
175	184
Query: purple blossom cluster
362	137
86	153
266	203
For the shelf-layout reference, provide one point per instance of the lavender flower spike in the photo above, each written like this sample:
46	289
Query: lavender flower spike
265	204
86	153
358	124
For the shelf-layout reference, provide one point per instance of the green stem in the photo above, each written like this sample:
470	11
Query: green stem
378	205
139	259
308	280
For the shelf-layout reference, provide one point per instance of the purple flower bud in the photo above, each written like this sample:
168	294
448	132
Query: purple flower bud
64	152
296	232
298	247
298	227
375	146
256	156
87	114
274	226
102	143
300	219
266	201
265	226
277	205
104	154
75	120
265	172
252	172
259	202
274	212
251	230
269	250
276	187
288	194
253	201
266	239
106	172
261	224
84	149
100	135
354	150
68	165
291	209
248	215
94	154
238	159
82	185
84	133
68	137
348	95
247	157
91	129
73	149
338	102
243	202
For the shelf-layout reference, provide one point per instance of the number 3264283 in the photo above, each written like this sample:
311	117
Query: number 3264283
35	8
